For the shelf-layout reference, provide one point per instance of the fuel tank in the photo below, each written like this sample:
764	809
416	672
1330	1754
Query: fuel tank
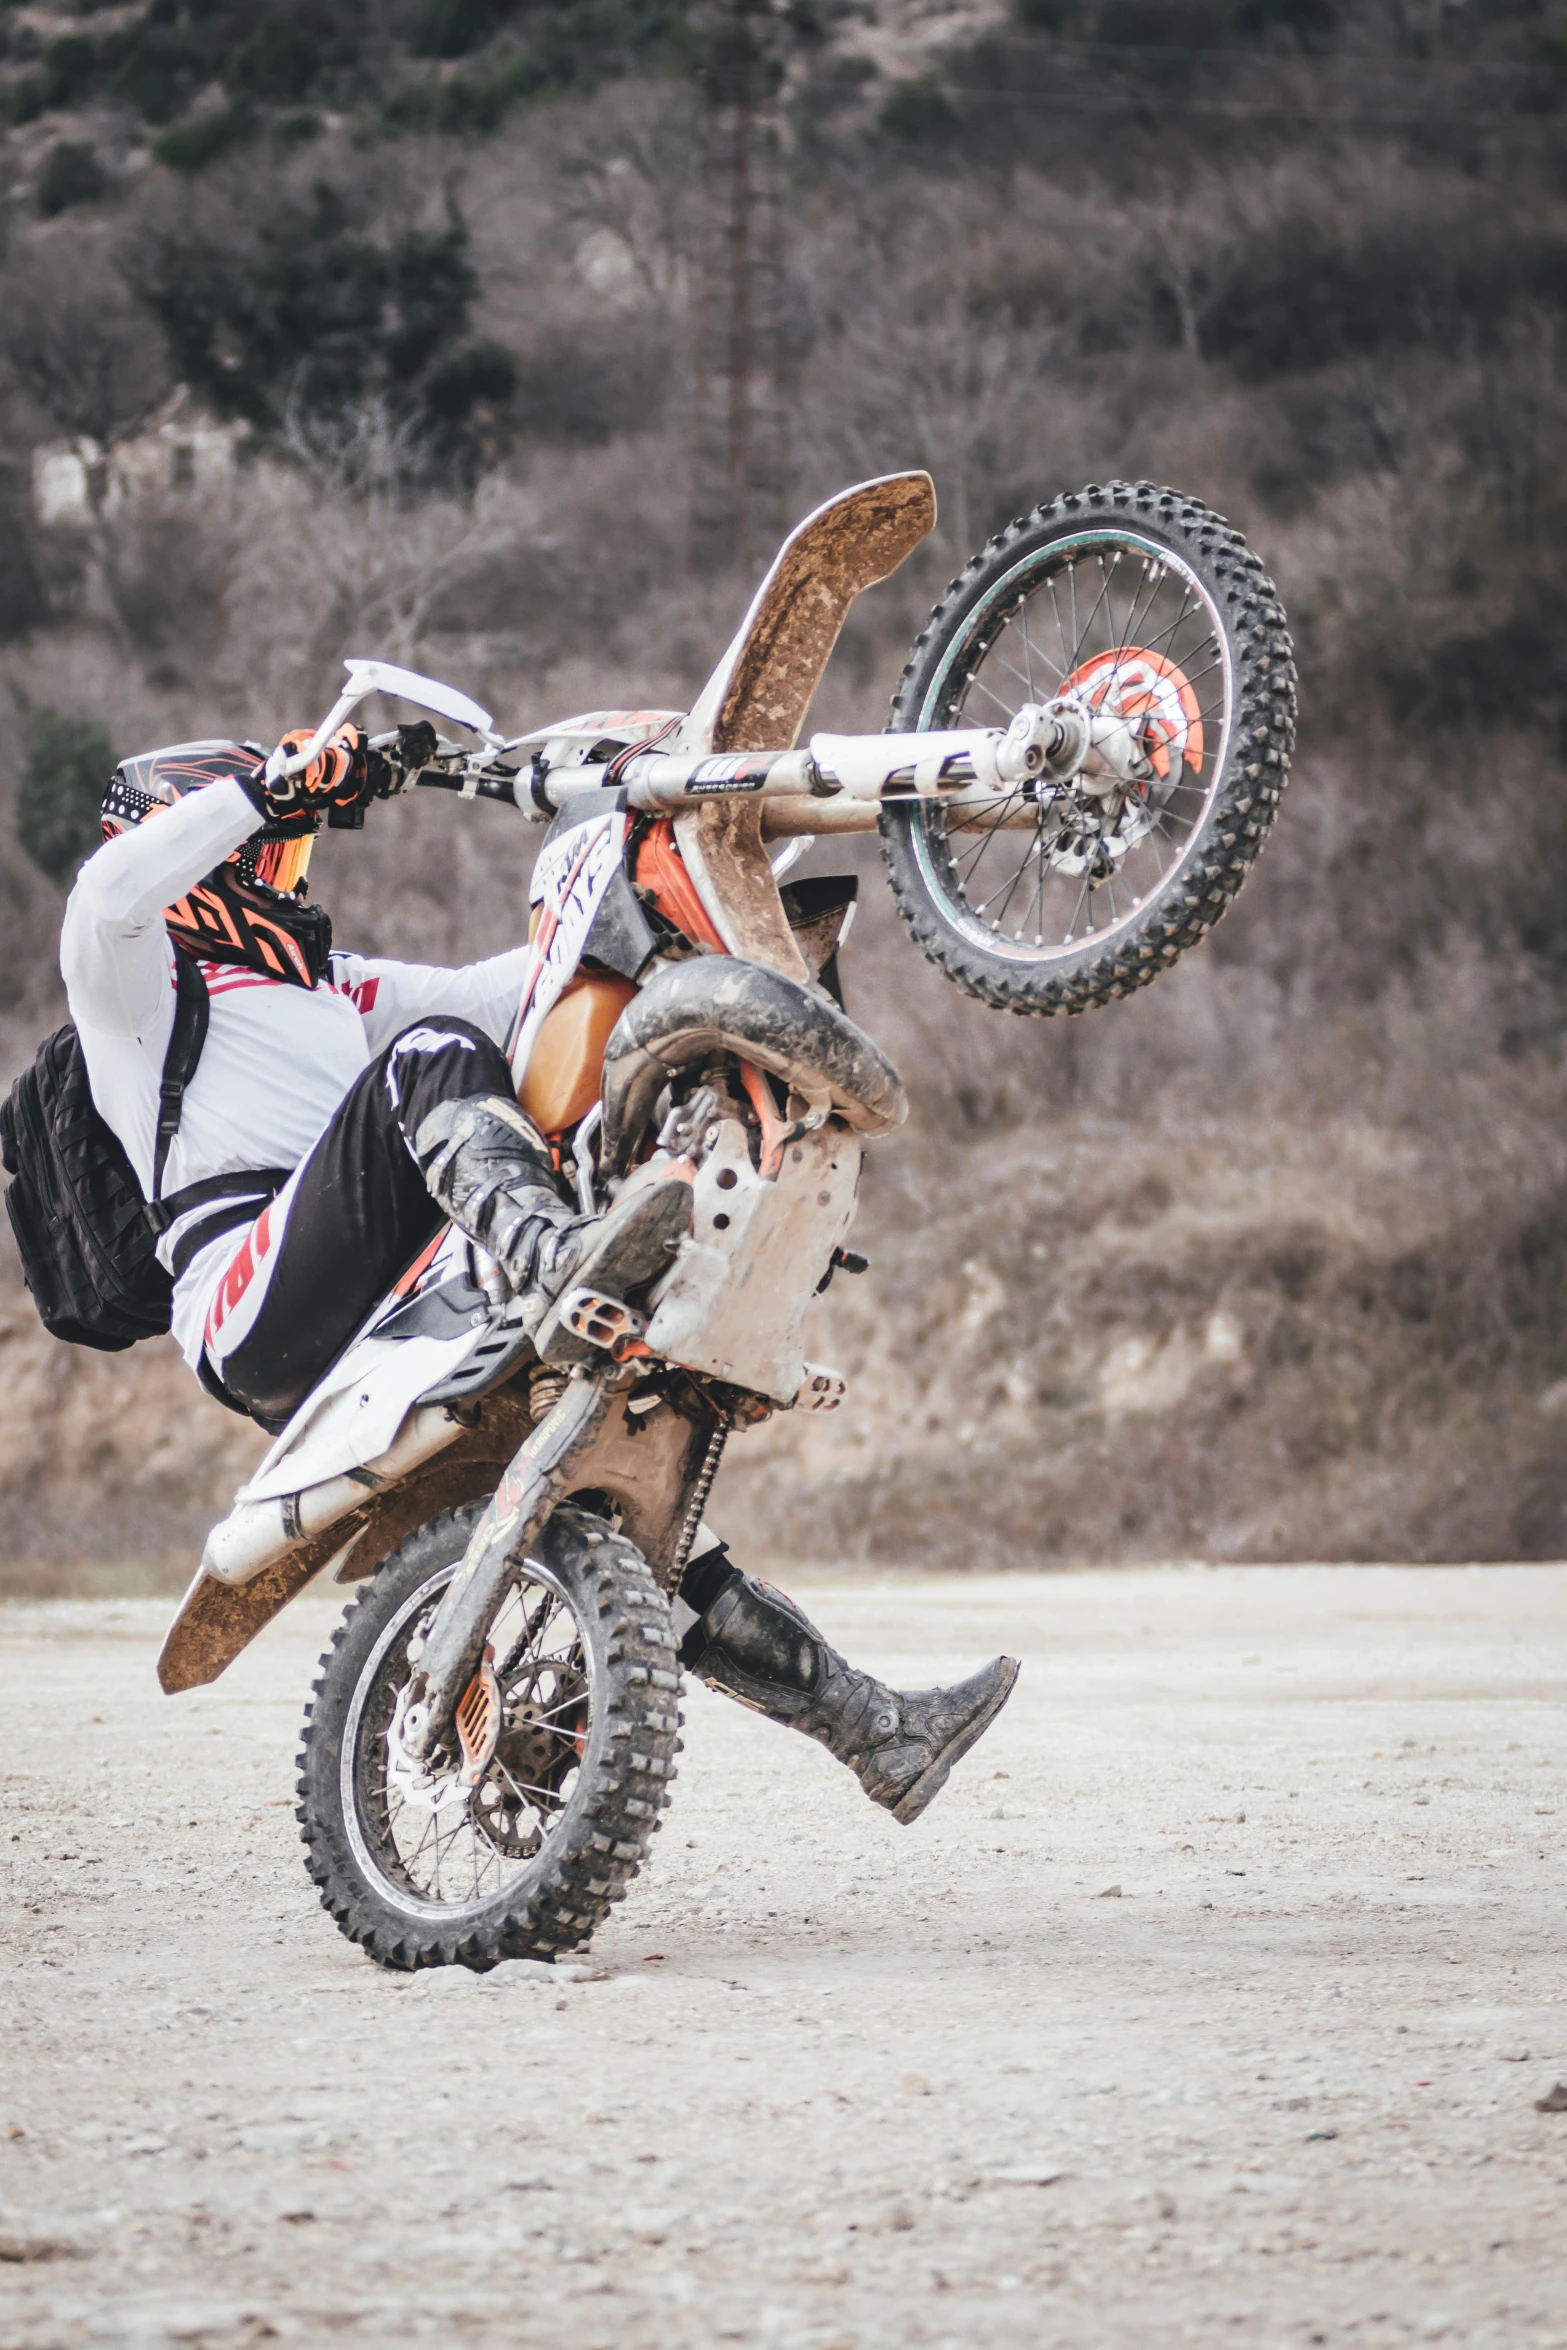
566	1066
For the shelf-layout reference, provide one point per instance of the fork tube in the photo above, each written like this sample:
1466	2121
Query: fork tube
540	1473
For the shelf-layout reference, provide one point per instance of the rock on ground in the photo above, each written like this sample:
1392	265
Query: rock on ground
829	2084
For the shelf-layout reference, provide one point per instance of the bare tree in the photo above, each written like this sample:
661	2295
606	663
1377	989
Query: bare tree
77	345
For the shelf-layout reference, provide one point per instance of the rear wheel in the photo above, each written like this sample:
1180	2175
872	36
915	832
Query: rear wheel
570	1747
1148	608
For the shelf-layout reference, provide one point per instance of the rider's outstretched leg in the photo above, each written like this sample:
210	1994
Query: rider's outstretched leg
755	1644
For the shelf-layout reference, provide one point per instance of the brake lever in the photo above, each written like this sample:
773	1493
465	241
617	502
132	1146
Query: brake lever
392	761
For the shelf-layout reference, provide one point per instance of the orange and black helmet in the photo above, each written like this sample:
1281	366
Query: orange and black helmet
252	908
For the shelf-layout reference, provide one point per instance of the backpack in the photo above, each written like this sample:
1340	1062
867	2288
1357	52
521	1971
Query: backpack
86	1237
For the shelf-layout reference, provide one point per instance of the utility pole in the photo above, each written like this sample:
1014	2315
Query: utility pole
738	446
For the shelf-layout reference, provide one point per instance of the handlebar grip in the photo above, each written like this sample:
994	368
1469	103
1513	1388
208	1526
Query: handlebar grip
471	787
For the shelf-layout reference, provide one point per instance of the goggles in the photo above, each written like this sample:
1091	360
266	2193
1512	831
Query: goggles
283	864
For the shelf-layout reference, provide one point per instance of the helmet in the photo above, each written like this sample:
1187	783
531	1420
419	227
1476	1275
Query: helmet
252	908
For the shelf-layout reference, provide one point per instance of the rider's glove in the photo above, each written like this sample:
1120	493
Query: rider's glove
335	779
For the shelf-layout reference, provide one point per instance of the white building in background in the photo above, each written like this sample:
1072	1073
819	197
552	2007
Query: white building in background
181	452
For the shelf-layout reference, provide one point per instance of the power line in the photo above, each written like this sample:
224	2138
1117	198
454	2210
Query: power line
1046	45
1129	101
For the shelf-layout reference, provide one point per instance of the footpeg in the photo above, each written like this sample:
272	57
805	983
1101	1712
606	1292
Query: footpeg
599	1320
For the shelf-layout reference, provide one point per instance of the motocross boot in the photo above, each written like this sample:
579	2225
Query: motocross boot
488	1168
752	1642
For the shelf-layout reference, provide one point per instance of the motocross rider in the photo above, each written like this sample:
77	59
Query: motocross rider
371	1101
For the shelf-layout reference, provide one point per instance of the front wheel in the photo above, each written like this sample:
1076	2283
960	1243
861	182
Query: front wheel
422	1868
1148	609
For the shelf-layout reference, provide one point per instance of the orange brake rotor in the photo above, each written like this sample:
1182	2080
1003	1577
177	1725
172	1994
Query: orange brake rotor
1151	693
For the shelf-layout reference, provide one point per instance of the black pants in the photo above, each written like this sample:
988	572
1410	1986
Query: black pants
354	1215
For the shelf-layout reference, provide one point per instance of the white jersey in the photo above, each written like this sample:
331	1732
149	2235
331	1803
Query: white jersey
278	1059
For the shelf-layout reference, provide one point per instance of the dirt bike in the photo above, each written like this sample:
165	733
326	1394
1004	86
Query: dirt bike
1086	750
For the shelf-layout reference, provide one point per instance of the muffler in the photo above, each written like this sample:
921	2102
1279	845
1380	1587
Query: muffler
255	1534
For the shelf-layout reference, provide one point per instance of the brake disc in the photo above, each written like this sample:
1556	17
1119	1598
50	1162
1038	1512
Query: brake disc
543	1732
1156	700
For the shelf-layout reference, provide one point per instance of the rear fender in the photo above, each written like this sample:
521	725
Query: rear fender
717	1004
647	1464
216	1620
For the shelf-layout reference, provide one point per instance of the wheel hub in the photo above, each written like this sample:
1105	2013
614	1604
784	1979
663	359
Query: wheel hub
420	1787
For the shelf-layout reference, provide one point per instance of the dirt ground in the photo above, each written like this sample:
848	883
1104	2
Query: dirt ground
1210	2003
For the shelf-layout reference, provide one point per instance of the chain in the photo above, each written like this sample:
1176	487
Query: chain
700	1492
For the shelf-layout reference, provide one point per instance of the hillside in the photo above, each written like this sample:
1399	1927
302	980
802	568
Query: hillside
441	277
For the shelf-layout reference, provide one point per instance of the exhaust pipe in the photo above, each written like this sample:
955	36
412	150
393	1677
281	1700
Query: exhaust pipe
255	1534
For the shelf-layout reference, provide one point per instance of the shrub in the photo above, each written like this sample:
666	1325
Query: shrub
275	66
71	175
450	28
69	762
75	343
309	323
70	70
263	56
916	113
1311	291
191	146
160	69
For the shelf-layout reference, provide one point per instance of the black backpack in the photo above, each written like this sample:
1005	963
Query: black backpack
86	1236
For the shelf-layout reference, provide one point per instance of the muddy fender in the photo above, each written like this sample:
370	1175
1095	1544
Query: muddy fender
717	1004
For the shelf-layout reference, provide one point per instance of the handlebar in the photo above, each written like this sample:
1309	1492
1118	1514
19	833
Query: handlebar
383	677
1045	746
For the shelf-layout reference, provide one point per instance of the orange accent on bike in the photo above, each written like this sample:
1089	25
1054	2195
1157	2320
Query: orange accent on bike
661	871
479	1720
565	1071
1137	684
776	1131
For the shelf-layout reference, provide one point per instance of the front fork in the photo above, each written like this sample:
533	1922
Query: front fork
538	1476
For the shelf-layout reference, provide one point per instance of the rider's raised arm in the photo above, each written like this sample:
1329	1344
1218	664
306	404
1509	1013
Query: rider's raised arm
389	995
114	952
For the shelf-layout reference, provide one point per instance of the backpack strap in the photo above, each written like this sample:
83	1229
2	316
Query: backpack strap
242	1195
245	1197
189	1034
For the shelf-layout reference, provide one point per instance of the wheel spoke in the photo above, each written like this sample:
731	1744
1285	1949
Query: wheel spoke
450	1857
1104	584
1131	640
1050	582
995	697
1013	670
1021	615
1083	869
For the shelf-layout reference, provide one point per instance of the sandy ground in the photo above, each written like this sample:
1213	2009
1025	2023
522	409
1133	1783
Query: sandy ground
1210	2003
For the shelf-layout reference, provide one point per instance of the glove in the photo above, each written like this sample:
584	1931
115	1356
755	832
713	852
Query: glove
334	779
